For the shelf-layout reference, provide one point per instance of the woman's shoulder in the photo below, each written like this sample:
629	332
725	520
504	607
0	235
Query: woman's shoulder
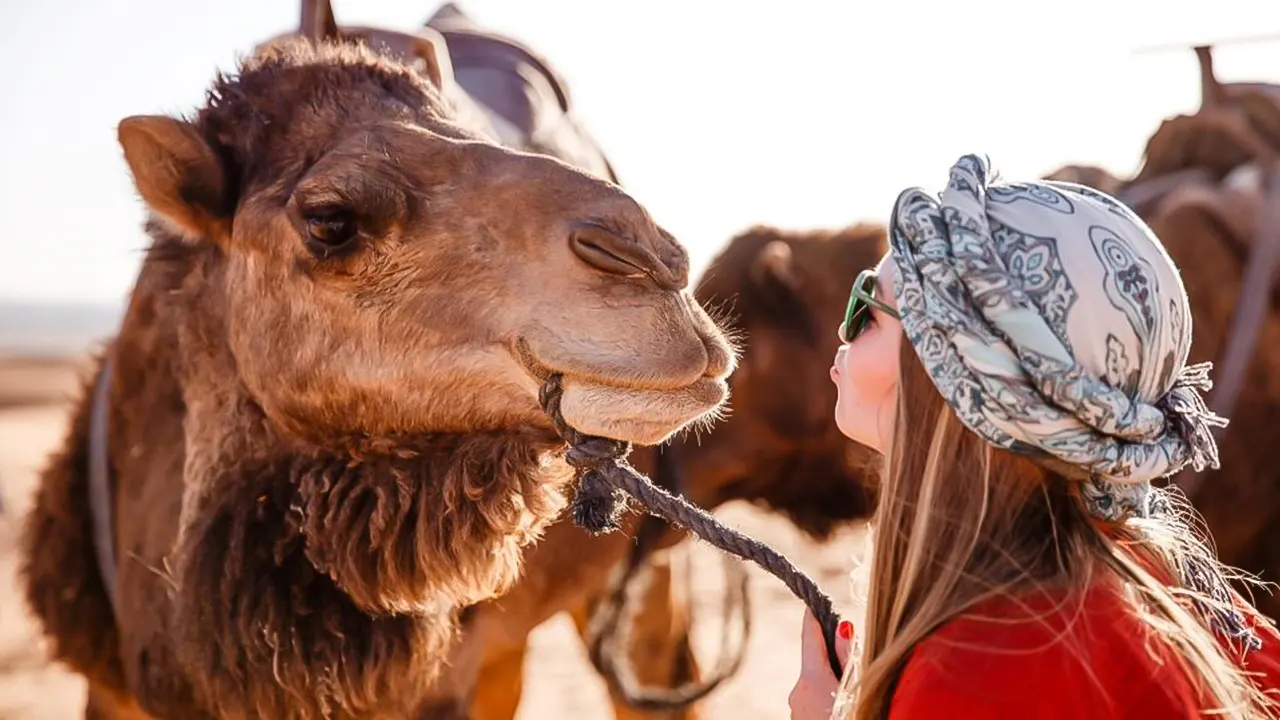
1047	655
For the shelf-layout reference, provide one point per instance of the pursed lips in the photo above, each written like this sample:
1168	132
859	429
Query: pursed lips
839	360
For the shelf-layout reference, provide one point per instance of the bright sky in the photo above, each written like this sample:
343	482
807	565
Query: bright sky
716	114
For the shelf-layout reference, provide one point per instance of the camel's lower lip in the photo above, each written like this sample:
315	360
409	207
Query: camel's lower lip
535	367
642	415
647	417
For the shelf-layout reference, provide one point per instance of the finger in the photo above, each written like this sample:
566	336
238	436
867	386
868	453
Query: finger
813	648
844	642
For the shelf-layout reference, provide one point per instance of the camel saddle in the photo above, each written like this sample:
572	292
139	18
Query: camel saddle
493	82
526	100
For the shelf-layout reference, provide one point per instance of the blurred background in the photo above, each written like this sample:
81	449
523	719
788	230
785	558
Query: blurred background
716	116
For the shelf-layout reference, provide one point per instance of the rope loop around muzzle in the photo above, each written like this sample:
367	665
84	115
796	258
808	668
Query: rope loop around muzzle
605	481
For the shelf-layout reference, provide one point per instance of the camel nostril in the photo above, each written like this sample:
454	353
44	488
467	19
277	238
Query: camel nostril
617	254
588	246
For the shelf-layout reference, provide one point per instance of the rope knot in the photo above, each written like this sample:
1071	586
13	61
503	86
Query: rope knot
597	505
594	452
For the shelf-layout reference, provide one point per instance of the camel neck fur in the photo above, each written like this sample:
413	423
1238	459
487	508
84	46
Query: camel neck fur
343	559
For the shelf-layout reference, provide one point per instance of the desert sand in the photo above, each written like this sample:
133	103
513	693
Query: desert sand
34	398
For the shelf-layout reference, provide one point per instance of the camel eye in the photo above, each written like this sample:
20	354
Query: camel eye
331	231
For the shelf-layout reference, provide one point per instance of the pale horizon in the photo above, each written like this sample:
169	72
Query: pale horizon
815	116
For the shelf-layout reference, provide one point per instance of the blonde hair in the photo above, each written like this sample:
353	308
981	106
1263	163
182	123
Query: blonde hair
960	521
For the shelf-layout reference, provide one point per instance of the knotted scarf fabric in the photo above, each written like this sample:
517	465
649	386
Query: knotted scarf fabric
1055	325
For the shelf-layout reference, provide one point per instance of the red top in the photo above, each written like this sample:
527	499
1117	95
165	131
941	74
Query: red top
1048	658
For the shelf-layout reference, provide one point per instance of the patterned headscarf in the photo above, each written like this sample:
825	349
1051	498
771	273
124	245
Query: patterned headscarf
1055	325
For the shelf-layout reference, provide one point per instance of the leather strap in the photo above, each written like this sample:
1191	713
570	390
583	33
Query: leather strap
100	496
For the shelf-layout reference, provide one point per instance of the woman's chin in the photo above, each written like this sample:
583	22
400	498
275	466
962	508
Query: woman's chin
852	427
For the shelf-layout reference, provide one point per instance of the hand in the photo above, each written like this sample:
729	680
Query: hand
814	693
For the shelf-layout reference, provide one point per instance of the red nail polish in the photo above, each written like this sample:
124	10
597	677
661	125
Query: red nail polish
845	629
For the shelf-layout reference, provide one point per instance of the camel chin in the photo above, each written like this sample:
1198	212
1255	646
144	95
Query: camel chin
640	416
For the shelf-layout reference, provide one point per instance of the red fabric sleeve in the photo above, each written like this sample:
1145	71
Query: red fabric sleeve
1057	660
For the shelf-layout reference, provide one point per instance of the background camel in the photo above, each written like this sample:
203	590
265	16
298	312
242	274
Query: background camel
324	428
1202	190
783	293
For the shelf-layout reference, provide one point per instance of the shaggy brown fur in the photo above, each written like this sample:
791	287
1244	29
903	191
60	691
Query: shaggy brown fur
322	451
784	293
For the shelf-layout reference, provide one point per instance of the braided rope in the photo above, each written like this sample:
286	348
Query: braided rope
609	637
605	479
608	634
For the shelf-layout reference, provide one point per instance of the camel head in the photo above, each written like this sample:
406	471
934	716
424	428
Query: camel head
374	267
780	447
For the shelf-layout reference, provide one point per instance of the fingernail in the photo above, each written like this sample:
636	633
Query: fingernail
845	629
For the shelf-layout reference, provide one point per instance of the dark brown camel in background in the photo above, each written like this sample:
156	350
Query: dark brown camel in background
323	429
1202	189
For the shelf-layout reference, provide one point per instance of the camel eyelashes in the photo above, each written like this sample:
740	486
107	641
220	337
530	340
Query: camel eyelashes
331	231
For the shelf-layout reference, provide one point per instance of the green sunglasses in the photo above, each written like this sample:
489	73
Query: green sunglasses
861	298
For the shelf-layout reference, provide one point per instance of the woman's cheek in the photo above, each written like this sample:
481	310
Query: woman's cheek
846	387
849	406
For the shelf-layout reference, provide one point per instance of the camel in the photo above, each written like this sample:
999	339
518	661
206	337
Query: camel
783	294
524	103
1202	189
317	429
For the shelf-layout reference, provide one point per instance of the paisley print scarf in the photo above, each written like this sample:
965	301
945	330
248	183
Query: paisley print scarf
1055	325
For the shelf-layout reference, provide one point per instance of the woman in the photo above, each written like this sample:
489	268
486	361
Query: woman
1019	358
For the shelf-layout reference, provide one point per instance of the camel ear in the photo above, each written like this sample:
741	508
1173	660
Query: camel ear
773	267
430	47
778	283
176	172
318	22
